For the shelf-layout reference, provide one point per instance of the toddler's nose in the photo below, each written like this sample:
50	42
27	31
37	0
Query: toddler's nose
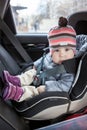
62	52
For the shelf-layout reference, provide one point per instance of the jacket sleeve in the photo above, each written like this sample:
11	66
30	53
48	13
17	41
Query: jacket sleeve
64	83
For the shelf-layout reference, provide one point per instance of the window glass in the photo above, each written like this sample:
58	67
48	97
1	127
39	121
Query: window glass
38	16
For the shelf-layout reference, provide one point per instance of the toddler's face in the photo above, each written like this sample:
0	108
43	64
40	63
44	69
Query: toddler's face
62	53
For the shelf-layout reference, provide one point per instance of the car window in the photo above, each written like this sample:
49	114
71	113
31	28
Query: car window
38	16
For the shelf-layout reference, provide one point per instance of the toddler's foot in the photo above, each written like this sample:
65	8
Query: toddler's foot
12	79
12	92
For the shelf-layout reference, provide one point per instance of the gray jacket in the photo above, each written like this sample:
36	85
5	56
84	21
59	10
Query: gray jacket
64	81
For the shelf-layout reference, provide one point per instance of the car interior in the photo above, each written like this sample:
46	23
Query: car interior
17	53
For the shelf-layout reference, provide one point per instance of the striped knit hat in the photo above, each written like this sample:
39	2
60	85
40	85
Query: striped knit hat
62	35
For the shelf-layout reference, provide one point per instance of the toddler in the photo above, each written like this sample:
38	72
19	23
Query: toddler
62	46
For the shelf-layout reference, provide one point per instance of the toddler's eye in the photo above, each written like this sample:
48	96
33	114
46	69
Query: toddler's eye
67	49
56	50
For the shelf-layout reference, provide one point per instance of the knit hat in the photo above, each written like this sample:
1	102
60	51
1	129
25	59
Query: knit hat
62	35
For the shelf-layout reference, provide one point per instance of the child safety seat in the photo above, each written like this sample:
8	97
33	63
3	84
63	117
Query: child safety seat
51	105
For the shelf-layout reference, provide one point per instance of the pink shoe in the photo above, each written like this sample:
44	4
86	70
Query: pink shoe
12	79
12	92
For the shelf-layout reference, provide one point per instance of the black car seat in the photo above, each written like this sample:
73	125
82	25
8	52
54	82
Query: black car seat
78	20
56	104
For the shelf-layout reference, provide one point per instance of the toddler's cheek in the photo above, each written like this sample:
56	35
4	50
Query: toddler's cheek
55	59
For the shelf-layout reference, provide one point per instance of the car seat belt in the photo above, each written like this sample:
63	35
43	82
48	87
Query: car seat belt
6	30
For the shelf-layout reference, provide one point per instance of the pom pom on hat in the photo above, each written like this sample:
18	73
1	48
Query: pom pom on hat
62	35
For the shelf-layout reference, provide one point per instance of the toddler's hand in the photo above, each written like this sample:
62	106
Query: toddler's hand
41	88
